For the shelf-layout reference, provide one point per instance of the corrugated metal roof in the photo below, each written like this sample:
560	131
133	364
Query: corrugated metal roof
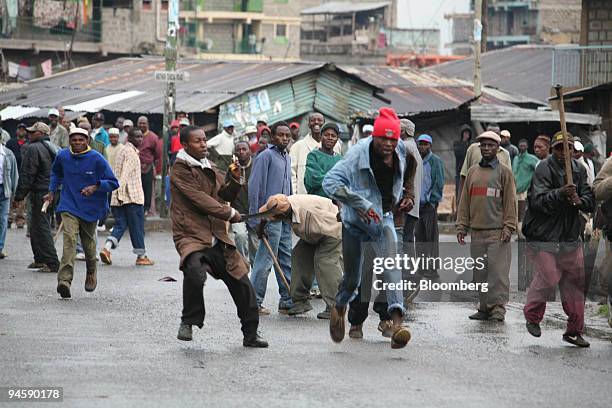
338	7
505	114
384	76
523	69
211	84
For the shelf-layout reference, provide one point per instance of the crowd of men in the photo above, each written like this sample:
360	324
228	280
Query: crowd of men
310	209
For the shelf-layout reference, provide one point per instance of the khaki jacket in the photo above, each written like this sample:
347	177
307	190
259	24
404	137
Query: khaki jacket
314	218
200	211
602	186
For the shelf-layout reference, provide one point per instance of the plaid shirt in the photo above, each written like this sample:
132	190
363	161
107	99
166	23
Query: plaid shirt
127	171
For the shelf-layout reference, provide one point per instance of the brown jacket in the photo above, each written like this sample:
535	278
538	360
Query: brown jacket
200	211
314	218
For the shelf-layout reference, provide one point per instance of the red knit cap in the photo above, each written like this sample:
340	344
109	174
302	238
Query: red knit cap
387	124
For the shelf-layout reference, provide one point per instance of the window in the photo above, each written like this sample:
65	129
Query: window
281	30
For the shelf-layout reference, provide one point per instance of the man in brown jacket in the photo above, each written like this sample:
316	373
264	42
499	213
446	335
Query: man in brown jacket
488	209
200	214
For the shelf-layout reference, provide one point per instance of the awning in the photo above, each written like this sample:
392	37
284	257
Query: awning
337	7
97	104
17	112
505	114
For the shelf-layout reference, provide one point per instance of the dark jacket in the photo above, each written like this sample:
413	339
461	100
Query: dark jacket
460	148
199	212
14	146
550	217
35	170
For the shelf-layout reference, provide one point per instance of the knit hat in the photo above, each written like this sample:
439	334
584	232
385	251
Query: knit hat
588	148
408	126
294	125
544	139
425	138
280	201
489	135
387	124
39	126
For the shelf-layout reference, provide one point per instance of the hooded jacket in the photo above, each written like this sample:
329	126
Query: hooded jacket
549	216
200	210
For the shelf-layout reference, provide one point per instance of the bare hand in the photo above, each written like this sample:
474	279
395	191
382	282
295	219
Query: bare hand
373	215
89	190
461	238
49	197
406	205
575	199
234	170
260	229
236	218
568	190
505	236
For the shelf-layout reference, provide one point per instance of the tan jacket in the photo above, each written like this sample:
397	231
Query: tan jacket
602	186
314	217
200	211
127	171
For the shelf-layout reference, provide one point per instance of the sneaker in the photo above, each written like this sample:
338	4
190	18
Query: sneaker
356	331
534	329
105	256
34	266
47	269
497	317
401	336
101	228
479	315
185	332
63	288
263	311
80	256
386	328
299	309
142	261
576	340
91	281
255	341
336	323
315	293
324	315
2	254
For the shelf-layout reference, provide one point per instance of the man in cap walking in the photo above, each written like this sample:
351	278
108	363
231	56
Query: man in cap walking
86	179
34	182
488	210
369	184
59	134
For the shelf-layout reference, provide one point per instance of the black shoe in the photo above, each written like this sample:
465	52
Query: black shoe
324	315
576	340
255	341
185	333
479	316
534	329
63	288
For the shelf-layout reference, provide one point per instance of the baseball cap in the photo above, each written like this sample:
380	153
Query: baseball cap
22	125
98	116
279	202
184	122
505	133
367	128
78	131
578	146
425	138
294	125
387	124
113	131
250	129
39	126
558	138
489	134
330	125
128	122
228	123
53	112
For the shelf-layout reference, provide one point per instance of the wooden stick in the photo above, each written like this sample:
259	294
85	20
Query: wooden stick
566	151
278	268
59	230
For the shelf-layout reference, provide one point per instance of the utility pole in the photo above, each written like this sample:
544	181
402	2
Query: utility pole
170	99
477	45
485	25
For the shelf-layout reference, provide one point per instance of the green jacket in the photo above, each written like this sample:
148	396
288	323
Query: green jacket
318	163
523	168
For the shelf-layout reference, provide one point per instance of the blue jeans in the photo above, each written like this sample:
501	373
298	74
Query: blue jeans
129	216
279	237
352	251
4	213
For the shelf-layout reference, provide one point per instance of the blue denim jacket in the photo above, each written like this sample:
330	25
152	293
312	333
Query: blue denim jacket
351	182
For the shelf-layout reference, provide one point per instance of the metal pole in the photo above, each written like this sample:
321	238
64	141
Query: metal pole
477	45
170	99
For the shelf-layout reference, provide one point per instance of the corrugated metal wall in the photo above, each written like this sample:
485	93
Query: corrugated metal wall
338	96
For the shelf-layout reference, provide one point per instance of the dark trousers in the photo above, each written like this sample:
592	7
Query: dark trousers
211	261
427	236
147	188
129	216
40	233
565	269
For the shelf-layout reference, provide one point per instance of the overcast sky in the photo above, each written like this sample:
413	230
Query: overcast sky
430	14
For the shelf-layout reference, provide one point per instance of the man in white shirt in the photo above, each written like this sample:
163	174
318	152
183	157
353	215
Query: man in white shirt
301	148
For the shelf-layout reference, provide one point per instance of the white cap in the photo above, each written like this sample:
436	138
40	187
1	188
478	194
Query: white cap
367	128
113	131
184	122
250	129
53	112
578	146
128	122
505	133
79	131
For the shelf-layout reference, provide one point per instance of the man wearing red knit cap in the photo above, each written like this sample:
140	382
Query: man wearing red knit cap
369	185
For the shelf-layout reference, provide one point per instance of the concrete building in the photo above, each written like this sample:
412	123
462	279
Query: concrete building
516	22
